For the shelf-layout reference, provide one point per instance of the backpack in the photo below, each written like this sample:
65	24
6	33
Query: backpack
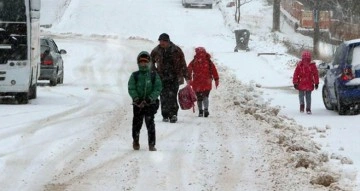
187	98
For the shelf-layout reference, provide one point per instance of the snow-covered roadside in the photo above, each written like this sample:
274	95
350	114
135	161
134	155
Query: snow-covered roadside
291	157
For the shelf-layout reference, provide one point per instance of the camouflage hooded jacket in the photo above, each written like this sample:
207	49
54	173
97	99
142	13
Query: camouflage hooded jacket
170	63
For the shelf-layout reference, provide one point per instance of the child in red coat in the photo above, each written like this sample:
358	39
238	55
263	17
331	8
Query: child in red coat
305	79
202	71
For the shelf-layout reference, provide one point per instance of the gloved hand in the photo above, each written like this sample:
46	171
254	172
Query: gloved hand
148	100
138	102
296	86
316	86
216	83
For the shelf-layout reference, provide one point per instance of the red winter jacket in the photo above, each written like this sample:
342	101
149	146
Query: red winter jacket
306	75
202	71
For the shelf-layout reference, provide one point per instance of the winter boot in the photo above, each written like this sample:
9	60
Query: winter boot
201	113
152	148
173	119
206	113
136	145
308	111
302	106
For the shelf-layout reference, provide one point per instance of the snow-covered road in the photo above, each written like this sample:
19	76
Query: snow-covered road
77	136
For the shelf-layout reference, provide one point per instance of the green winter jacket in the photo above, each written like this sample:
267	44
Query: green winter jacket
143	88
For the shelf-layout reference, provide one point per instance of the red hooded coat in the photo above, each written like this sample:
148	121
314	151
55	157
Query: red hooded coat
306	74
202	71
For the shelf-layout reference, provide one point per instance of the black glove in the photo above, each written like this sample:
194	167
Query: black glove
316	86
137	102
148	100
296	86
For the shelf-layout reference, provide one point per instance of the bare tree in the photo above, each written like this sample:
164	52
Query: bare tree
238	4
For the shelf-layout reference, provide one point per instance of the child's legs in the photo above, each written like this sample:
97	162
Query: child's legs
200	98
203	99
137	122
150	125
301	97
308	99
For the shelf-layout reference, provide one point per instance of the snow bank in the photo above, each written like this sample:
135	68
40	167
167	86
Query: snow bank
291	152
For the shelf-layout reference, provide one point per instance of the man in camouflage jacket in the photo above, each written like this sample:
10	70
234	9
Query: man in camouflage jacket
169	61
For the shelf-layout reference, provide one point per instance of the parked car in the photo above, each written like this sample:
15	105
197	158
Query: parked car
341	90
197	3
52	64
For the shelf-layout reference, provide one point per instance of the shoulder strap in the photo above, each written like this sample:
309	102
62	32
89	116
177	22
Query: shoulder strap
136	76
153	76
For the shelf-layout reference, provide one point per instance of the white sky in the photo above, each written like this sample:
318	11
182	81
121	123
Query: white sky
77	136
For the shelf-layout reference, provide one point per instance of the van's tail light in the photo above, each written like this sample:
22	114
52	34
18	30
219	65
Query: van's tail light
347	74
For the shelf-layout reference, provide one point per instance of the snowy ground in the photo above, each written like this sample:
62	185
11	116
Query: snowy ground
77	136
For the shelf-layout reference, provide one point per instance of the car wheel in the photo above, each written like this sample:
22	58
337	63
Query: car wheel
53	82
326	99
33	94
55	79
61	80
210	6
22	98
340	106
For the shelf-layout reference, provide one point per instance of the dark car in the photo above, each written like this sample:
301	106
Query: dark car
341	90
52	64
197	3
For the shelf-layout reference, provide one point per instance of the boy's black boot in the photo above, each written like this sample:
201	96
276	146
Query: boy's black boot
206	113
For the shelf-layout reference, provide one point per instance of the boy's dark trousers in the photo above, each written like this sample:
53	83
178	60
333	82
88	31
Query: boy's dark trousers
139	115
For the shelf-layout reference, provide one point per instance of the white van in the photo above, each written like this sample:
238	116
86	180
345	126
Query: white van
19	49
197	3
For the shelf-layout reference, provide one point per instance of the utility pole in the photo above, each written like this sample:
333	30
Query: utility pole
316	29
276	15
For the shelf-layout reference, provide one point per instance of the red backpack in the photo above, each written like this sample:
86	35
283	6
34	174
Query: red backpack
187	98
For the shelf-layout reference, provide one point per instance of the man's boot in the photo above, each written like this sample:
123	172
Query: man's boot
201	113
206	113
152	148
173	119
136	145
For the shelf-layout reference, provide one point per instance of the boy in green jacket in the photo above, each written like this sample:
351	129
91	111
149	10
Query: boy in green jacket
144	87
